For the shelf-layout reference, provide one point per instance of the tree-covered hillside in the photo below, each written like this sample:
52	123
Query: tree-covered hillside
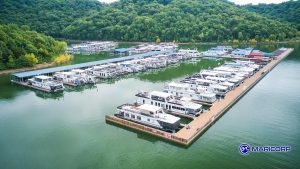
21	47
45	16
144	20
285	12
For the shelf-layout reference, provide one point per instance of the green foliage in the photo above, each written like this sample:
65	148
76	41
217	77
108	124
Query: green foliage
21	47
142	20
286	12
11	62
27	60
240	36
235	41
64	58
157	40
47	16
253	41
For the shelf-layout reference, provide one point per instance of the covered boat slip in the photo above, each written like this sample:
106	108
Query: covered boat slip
22	76
188	134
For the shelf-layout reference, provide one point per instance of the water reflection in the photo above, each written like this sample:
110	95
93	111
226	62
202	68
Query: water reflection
46	95
146	137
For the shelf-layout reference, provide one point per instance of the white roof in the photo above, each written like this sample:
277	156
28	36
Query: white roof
43	77
77	70
210	73
168	118
205	80
219	86
191	105
216	78
206	94
67	73
227	84
179	85
149	107
160	94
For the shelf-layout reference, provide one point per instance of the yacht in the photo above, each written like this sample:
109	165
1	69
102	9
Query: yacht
45	83
149	115
169	102
184	90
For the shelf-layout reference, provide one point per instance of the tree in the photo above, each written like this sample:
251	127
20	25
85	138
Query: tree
235	41
201	36
240	36
31	59
272	37
282	36
253	41
11	62
20	46
157	40
27	60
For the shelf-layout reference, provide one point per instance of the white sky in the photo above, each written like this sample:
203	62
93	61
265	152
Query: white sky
240	2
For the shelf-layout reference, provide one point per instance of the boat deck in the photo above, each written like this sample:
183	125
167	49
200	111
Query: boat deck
30	86
187	135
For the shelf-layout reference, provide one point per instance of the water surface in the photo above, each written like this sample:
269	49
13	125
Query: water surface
69	130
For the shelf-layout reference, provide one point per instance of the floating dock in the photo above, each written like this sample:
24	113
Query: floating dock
186	136
19	76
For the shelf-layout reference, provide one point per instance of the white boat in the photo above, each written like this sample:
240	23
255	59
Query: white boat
169	102
83	74
184	90
103	71
216	79
219	89
149	115
45	83
68	78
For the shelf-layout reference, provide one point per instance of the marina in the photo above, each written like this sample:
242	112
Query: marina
70	127
91	47
188	134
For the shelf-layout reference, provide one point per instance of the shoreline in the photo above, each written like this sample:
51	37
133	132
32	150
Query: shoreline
47	65
215	43
36	67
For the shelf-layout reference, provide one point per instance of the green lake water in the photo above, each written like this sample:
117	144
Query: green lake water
68	130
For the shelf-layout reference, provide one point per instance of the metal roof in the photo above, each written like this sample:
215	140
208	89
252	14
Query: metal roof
83	65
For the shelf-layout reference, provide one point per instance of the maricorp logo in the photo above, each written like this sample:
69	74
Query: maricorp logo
245	149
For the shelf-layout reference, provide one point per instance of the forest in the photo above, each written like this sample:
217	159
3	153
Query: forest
20	47
145	20
286	12
27	27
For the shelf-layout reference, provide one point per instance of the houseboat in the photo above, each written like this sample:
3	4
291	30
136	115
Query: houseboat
183	90
68	78
103	71
169	102
89	79
149	115
45	83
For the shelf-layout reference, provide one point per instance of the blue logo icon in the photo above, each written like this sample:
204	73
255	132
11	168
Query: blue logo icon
244	149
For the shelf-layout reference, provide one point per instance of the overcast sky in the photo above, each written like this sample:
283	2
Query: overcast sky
241	2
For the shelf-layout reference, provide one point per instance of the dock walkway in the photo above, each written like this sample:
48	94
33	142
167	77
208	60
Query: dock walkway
187	135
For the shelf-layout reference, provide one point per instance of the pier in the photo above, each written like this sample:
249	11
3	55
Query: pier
187	135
